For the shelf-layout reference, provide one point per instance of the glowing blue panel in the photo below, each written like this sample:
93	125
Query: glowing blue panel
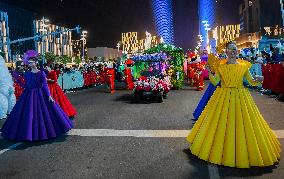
163	15
206	13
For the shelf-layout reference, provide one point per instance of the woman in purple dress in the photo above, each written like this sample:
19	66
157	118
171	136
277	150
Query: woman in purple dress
35	116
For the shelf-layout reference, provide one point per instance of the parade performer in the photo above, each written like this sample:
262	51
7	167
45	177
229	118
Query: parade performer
190	67
102	75
18	75
35	116
231	131
87	78
212	60
58	95
128	74
93	77
198	77
128	78
204	59
204	100
7	96
190	74
110	79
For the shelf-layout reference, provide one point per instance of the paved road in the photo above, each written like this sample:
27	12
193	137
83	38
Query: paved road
90	153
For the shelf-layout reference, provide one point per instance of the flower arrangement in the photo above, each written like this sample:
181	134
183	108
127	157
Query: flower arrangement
150	57
153	84
176	61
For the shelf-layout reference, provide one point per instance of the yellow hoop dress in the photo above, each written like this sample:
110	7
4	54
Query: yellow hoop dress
231	131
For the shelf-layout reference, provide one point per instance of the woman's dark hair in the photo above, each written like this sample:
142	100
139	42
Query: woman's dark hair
229	43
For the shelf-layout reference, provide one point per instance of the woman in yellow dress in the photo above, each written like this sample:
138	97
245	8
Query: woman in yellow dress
231	131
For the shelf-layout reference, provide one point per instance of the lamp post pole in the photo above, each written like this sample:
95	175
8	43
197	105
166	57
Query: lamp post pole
83	38
206	28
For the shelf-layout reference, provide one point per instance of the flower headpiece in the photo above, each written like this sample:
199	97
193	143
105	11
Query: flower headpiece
28	55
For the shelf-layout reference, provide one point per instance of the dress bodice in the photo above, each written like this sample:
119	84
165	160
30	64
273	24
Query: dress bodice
52	75
232	75
34	80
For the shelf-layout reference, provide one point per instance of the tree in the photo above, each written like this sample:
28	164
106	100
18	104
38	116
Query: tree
65	59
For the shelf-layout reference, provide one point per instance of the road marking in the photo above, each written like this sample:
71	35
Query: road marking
129	133
140	133
10	147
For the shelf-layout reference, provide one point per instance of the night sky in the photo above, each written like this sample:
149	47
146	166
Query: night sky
105	20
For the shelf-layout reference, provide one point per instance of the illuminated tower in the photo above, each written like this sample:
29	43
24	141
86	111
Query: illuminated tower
207	17
163	15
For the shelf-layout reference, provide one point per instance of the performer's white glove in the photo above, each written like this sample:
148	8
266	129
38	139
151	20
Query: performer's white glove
51	99
259	78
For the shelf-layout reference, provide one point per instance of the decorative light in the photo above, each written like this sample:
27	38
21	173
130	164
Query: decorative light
84	42
118	46
163	15
207	16
131	44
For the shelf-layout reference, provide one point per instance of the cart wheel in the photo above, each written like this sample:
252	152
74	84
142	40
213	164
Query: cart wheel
160	97
137	97
165	96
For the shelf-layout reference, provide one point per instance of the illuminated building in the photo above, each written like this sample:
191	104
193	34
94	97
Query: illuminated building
207	18
257	14
163	15
20	22
77	48
282	10
57	44
131	44
225	33
256	19
4	32
248	40
221	34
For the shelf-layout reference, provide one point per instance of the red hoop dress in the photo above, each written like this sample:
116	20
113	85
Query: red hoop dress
59	96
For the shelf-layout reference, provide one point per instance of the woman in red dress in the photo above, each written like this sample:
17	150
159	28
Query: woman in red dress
281	79
18	77
87	78
128	79
58	95
93	77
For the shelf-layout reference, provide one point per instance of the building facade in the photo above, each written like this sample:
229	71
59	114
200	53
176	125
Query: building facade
257	14
20	25
223	34
60	44
207	19
163	16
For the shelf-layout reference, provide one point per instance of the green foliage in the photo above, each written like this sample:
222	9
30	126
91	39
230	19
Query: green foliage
2	54
177	59
65	59
78	60
50	57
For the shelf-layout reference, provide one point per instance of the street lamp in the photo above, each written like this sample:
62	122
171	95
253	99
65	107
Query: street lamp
118	46
162	40
206	28
83	38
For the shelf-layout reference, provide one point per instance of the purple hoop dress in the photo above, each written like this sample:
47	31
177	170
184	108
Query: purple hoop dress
34	117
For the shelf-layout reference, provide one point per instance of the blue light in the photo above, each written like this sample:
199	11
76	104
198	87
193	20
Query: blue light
163	15
206	13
